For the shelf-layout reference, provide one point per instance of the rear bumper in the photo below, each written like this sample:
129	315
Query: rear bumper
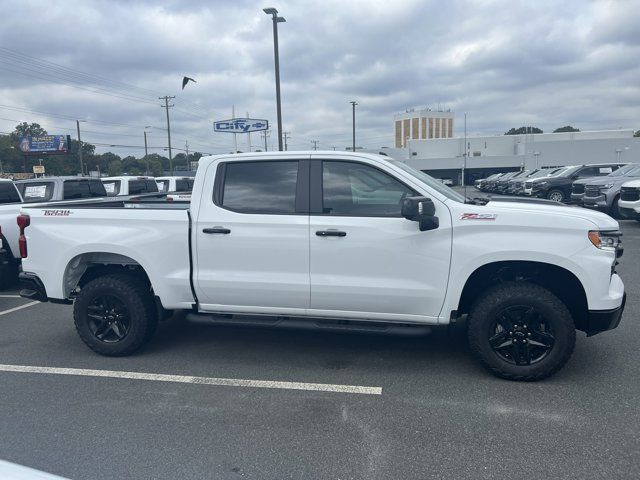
31	287
602	320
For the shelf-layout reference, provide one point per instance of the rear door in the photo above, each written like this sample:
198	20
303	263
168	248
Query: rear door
368	261
252	237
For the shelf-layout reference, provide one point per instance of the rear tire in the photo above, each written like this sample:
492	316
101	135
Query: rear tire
115	314
8	273
521	331
556	195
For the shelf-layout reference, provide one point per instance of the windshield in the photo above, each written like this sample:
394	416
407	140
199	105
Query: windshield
630	170
566	172
430	181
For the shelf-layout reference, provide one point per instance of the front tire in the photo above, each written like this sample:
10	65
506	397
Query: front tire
556	195
521	331
115	314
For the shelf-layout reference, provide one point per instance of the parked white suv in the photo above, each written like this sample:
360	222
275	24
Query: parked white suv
332	239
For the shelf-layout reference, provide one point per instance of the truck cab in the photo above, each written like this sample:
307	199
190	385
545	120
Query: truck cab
129	185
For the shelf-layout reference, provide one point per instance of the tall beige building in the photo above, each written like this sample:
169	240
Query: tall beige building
422	125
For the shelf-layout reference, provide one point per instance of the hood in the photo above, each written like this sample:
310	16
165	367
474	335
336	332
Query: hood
599	219
632	183
608	180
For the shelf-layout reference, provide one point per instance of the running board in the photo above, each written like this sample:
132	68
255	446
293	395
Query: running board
301	323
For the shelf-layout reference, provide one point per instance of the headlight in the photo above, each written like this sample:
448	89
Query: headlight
540	183
606	187
609	240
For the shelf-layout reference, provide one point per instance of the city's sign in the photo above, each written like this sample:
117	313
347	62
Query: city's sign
240	125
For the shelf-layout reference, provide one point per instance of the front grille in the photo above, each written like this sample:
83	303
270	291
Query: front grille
630	194
528	185
591	191
577	188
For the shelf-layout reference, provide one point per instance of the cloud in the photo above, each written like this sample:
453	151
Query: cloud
503	63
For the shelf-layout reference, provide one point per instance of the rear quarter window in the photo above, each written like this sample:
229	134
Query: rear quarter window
36	191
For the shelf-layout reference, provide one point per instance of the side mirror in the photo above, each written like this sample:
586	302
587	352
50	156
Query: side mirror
421	210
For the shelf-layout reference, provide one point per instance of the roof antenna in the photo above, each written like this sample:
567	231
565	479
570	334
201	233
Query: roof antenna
464	164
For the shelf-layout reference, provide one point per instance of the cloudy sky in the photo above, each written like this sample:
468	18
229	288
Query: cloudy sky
504	63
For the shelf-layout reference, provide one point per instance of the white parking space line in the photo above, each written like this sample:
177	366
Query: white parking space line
227	382
10	296
30	304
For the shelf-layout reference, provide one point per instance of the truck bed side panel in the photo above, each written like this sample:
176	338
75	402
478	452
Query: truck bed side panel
155	239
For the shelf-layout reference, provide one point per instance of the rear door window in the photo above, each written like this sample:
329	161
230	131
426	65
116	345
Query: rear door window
8	193
259	187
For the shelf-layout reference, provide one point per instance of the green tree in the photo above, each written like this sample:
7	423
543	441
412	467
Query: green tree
566	128
23	129
523	131
637	134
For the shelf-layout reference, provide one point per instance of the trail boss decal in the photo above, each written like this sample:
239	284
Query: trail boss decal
56	213
478	216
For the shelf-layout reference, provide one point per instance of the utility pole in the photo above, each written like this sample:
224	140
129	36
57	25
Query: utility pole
315	144
334	148
146	158
79	148
286	136
265	134
235	138
186	147
166	106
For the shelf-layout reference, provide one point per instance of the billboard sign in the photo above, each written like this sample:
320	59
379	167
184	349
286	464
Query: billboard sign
44	144
240	125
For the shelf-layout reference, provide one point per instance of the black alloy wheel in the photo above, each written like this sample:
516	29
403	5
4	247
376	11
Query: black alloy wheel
109	319
521	336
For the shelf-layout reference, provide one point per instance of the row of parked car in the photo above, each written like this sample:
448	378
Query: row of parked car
52	189
613	188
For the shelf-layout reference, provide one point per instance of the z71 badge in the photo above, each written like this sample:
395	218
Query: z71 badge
478	216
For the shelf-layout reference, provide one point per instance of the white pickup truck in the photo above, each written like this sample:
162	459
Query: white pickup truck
331	239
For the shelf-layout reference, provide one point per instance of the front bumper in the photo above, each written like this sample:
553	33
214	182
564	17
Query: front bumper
602	320
599	202
629	213
576	198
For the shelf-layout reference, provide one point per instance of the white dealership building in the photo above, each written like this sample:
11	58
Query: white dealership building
444	157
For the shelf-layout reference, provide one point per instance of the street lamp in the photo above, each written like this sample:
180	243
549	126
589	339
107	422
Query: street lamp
353	107
276	19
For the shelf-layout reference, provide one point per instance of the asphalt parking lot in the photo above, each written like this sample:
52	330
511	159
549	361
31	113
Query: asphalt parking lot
426	409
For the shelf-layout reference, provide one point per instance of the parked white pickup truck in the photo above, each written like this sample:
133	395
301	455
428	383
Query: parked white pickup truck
629	203
332	239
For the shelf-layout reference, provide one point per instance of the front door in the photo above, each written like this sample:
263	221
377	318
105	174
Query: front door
252	238
368	261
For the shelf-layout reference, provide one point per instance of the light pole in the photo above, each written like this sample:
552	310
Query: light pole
276	19
80	147
353	108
